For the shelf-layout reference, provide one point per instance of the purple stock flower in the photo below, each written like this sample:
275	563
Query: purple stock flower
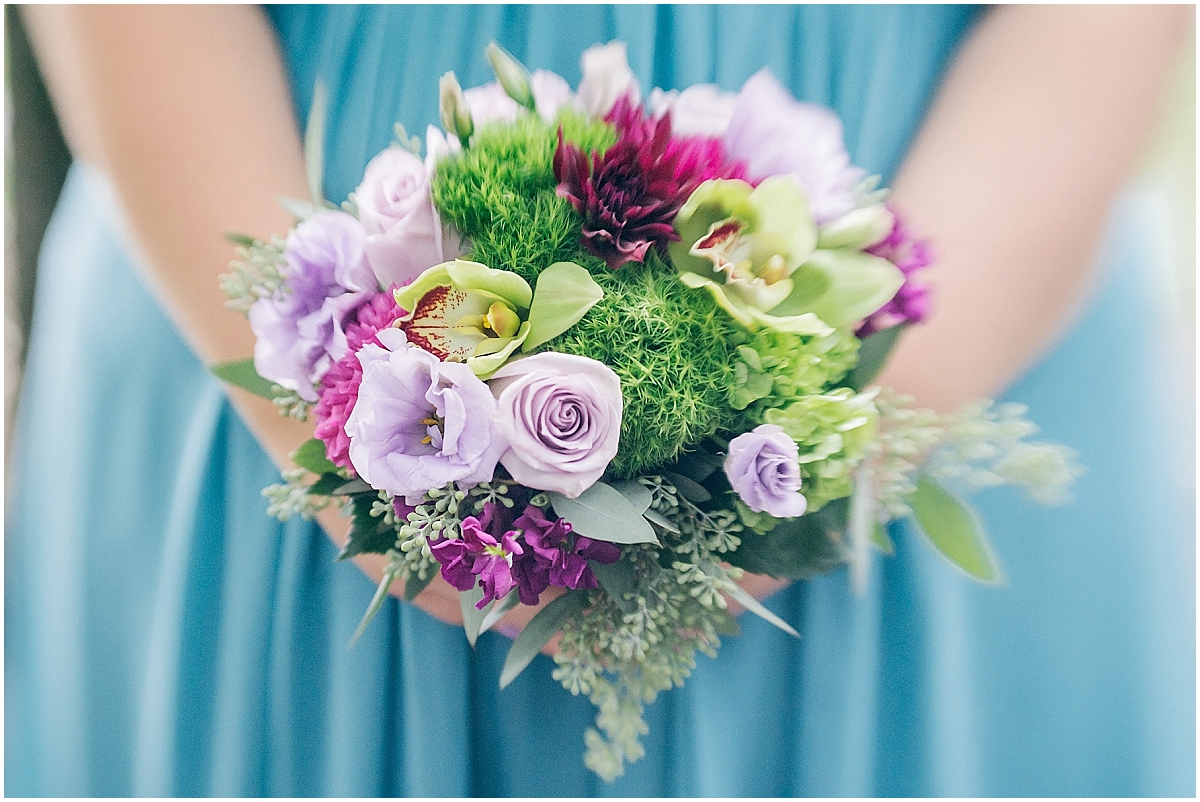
479	554
763	469
299	330
629	196
556	556
420	423
911	302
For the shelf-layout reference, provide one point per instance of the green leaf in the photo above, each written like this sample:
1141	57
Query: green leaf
314	143
742	597
311	457
326	485
872	356
538	633
414	585
472	617
660	519
498	610
565	292
636	493
352	487
797	548
697	465
381	594
690	490
238	238
954	530
299	209
241	373
602	513
617	579
368	534
881	539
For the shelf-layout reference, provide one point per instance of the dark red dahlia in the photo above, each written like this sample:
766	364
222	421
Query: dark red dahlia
339	387
629	196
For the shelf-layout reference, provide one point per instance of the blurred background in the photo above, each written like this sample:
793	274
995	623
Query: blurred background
36	161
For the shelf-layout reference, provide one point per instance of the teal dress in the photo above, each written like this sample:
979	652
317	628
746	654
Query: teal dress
163	636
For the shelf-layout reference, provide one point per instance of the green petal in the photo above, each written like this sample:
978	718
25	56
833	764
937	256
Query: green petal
709	204
409	296
493	352
565	292
859	284
781	208
506	284
859	228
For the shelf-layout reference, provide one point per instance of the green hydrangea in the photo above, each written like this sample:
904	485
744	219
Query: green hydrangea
833	431
773	368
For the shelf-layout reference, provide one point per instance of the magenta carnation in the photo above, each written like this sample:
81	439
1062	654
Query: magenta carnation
911	302
629	196
339	387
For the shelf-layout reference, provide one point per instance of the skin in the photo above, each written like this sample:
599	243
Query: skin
1039	120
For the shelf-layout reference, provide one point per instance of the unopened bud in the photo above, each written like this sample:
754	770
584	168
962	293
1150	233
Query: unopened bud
512	75
456	114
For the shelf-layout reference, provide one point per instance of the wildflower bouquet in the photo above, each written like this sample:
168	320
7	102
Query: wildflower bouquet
608	355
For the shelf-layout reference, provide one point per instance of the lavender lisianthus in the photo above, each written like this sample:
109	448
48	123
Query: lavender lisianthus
405	236
763	469
774	134
299	330
420	423
560	415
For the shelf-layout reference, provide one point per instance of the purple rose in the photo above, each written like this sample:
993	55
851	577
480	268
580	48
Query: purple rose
299	330
774	134
763	468
404	233
420	423
561	416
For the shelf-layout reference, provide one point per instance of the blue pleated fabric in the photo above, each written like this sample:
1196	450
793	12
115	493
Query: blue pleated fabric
163	636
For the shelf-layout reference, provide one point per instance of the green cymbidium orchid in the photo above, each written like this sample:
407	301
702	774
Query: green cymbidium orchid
757	250
465	311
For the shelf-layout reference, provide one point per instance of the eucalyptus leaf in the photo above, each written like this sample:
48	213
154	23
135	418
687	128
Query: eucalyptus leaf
954	530
602	513
636	494
882	540
696	465
471	615
690	490
539	631
238	238
661	520
797	548
498	610
314	143
872	356
564	293
617	579
381	594
368	534
414	586
352	487
241	373
311	457
742	597
299	209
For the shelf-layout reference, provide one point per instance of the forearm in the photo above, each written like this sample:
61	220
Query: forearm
1038	123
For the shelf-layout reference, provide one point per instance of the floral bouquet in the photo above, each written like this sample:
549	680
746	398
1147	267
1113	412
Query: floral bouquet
610	354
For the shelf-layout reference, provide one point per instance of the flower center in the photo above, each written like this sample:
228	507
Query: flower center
434	426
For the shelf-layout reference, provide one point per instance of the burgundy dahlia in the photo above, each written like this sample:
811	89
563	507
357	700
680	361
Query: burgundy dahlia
339	387
629	196
911	302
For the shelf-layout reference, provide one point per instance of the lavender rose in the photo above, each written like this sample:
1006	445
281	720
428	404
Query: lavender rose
763	468
404	233
561	416
299	330
774	134
420	423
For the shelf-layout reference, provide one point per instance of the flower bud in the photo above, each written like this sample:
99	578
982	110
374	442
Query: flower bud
456	114
512	75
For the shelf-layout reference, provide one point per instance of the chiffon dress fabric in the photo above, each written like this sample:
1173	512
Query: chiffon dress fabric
164	636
